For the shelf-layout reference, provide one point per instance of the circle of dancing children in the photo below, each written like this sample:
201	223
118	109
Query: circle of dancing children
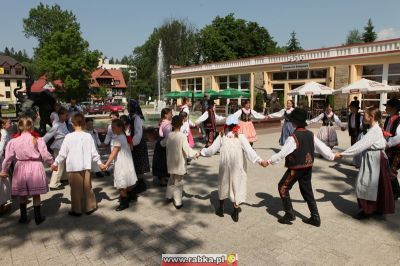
29	177
234	149
159	165
298	152
327	132
287	127
77	153
391	130
178	151
124	171
373	186
246	124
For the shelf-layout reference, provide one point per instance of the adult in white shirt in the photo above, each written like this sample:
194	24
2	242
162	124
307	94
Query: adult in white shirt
246	126
58	132
78	151
287	127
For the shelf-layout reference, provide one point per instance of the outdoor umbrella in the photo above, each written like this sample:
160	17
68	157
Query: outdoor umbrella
172	95
212	93
233	94
312	88
365	86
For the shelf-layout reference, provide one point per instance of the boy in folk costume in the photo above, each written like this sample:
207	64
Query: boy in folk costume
298	153
392	134
246	125
354	122
210	119
232	180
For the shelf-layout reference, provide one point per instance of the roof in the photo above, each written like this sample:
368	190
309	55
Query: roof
108	74
41	84
8	59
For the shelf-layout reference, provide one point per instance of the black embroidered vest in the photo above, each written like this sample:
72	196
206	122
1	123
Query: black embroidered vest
303	155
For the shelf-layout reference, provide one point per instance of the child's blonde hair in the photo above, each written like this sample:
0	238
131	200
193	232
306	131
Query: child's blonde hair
25	124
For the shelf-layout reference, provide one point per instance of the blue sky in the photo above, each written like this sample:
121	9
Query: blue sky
115	27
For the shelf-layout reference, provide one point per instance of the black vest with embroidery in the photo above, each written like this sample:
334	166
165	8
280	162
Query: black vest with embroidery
356	130
245	117
392	131
328	121
210	122
286	116
303	155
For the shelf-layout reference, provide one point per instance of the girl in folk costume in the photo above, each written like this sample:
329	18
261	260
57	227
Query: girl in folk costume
298	153
58	131
234	148
187	123
29	177
159	165
178	151
210	119
78	151
327	133
245	124
113	116
392	134
287	128
373	187
124	170
5	187
140	152
185	128
354	122
95	135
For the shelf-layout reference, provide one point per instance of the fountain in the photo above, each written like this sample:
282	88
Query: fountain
160	76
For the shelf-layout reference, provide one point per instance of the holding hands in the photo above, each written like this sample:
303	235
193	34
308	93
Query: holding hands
103	167
264	163
338	155
3	175
54	168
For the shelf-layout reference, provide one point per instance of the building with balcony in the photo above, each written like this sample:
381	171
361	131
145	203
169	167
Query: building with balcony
12	76
334	67
111	79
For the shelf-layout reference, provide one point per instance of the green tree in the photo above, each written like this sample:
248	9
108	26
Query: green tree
293	45
140	87
44	20
230	38
259	104
354	36
101	93
369	34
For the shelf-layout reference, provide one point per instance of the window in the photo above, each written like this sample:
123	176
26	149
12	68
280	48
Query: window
18	71
394	75
303	74
240	82
318	74
293	75
6	70
19	83
373	72
279	76
8	94
7	82
245	82
279	89
233	82
198	84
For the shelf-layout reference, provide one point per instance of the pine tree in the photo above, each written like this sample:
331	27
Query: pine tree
293	44
369	34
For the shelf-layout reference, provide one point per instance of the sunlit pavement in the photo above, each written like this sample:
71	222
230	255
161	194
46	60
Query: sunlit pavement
139	235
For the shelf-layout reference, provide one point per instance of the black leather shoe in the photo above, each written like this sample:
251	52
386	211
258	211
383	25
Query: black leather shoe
99	174
56	188
361	216
75	214
288	218
235	215
38	216
220	211
313	220
123	204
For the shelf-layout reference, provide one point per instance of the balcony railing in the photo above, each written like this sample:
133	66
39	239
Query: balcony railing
361	49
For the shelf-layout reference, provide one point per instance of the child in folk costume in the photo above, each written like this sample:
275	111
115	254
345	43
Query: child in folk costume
159	165
185	128
245	124
327	133
187	123
29	177
232	180
298	153
5	187
354	122
109	136
178	151
373	186
392	134
124	171
287	128
95	135
58	131
140	152
209	118
78	151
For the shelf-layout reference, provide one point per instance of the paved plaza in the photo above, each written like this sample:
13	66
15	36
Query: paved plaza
139	235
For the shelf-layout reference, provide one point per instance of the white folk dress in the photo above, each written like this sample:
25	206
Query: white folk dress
370	146
232	178
124	170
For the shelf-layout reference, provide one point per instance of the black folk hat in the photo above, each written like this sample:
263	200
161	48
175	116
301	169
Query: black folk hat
395	103
298	116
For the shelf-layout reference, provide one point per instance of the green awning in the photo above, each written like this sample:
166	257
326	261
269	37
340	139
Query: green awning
172	95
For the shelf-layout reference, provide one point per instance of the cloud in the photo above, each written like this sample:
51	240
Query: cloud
388	33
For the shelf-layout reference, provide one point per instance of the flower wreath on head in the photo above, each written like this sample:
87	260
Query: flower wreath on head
233	128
